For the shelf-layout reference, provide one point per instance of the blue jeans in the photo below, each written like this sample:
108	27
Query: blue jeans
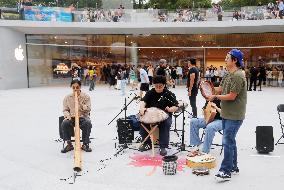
123	86
230	129
210	130
92	85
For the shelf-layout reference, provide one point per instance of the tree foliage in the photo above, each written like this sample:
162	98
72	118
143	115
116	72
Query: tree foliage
8	3
176	4
226	4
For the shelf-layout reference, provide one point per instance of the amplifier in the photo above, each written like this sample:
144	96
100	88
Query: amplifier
125	131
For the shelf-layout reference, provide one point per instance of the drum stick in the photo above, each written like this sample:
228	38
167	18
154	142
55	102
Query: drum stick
152	140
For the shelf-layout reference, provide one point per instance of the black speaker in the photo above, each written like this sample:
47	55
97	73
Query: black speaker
264	139
125	131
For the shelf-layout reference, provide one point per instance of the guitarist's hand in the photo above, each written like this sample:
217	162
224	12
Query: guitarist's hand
213	105
211	98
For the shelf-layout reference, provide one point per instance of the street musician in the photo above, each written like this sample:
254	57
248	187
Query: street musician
84	104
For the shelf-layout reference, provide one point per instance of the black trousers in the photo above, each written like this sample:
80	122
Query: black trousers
150	80
192	100
67	127
164	133
253	81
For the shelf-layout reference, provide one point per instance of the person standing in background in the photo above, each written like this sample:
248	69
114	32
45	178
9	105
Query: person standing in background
150	73
253	78
280	78
144	86
192	84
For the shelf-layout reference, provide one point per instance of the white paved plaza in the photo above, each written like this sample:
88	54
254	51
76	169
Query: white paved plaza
31	160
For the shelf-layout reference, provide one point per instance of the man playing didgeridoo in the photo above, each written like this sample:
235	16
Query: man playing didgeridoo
69	117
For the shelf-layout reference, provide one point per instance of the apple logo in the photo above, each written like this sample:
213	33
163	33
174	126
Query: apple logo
19	53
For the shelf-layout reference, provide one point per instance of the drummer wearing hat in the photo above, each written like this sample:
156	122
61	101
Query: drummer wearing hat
233	95
159	97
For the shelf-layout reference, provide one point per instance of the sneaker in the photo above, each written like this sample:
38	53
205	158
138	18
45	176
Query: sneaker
67	148
235	171
221	176
86	148
194	153
163	152
144	147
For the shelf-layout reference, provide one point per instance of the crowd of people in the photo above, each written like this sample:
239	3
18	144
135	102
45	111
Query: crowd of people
118	76
273	10
182	15
101	15
269	11
262	75
213	74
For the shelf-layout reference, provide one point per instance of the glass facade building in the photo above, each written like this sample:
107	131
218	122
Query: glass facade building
51	56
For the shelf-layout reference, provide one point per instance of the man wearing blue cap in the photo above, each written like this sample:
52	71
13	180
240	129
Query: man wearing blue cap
233	95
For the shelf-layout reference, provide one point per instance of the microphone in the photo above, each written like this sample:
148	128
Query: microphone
171	101
163	96
166	98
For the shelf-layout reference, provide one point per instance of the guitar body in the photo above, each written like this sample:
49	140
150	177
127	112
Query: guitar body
209	113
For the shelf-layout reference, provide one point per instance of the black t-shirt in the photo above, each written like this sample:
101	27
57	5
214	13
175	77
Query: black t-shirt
253	72
161	71
262	72
194	70
217	102
160	100
174	73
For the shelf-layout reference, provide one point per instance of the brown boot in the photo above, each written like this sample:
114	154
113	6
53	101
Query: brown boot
86	148
67	148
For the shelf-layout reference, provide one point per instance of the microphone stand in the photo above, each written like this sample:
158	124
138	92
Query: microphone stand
124	108
124	145
182	146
